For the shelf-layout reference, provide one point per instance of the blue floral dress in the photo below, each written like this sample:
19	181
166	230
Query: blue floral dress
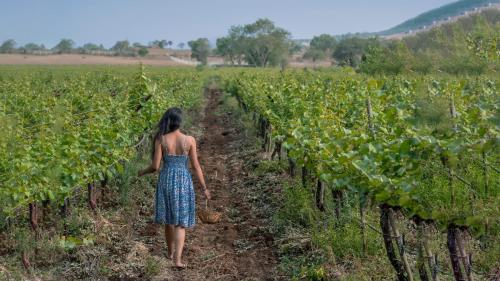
175	197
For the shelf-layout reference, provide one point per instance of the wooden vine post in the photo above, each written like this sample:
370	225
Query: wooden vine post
385	225
432	260
421	255
454	256
388	223
291	164
91	196
277	150
305	174
362	204
466	259
320	195
400	243
33	214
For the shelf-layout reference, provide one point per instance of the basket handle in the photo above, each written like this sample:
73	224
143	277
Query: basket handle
206	204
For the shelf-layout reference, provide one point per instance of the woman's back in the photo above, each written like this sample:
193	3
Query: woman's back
175	144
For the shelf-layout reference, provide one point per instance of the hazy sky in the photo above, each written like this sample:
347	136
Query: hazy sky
106	21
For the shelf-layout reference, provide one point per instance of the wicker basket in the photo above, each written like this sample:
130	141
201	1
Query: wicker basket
208	216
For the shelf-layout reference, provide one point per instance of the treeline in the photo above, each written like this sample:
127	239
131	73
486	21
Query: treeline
259	44
469	45
68	46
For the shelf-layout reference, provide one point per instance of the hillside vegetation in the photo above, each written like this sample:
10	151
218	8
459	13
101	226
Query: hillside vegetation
442	13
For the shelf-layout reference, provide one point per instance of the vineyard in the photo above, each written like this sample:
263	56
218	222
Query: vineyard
410	161
420	151
68	130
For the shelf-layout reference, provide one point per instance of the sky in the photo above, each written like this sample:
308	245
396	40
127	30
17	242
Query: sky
107	21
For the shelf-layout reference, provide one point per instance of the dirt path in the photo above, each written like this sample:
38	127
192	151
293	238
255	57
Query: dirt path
236	248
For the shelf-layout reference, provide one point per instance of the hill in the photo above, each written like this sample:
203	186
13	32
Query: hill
441	14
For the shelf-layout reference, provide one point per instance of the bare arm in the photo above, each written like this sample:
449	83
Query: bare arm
155	165
193	156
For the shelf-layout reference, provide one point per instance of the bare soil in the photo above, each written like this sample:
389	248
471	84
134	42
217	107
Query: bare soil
73	59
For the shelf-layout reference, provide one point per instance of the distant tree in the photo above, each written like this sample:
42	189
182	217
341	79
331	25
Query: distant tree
8	46
122	48
295	47
314	54
162	44
393	59
64	46
323	42
137	45
231	47
30	48
350	51
170	43
223	48
159	43
143	51
265	43
88	48
200	49
321	47
260	44
181	45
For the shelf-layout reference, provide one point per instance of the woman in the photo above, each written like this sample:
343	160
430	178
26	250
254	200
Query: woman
175	197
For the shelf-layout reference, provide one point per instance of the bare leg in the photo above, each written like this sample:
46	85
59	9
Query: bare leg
180	235
169	236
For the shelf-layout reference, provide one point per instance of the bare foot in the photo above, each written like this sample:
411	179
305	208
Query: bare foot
180	265
170	255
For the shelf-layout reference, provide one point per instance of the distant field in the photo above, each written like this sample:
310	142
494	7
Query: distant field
78	59
72	59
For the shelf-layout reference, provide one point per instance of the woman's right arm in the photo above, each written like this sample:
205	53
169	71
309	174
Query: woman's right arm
193	155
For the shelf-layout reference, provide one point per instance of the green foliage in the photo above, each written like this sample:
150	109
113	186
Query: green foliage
200	49
467	46
232	47
70	128
390	60
161	43
8	46
152	267
30	48
65	46
260	44
323	42
388	167
320	47
143	52
349	51
442	13
416	143
315	54
89	48
297	208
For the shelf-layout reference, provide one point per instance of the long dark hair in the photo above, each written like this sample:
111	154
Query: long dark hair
169	122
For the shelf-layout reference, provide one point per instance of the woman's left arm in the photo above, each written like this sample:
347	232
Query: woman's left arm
155	165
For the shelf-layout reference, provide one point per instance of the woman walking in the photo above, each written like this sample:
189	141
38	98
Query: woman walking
175	197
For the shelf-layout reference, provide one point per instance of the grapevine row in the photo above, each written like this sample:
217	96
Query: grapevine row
420	146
